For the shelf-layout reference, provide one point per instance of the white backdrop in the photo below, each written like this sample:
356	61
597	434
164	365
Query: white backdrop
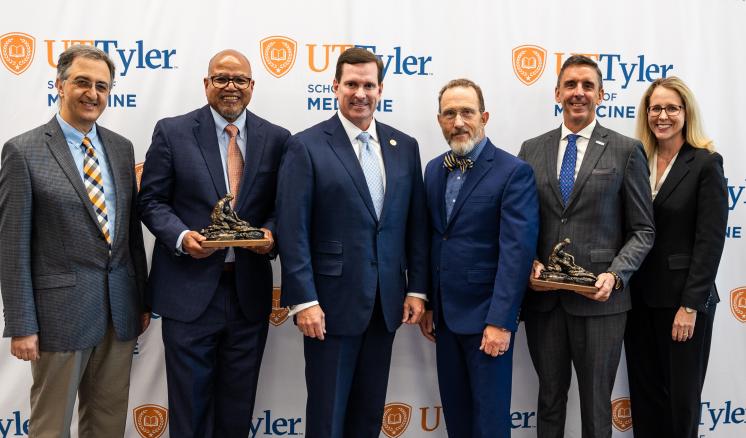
161	50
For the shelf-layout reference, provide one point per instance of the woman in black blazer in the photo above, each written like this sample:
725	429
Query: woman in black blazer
667	340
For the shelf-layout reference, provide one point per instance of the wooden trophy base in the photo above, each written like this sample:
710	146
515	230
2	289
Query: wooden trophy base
237	243
557	285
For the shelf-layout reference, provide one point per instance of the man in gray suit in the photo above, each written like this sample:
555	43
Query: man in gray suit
72	262
593	188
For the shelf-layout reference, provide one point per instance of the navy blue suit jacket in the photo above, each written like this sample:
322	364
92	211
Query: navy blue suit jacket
332	247
182	180
481	258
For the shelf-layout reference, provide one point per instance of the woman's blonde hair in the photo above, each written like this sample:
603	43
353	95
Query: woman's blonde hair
693	132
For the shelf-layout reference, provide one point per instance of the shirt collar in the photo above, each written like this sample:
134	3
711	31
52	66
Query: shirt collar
353	131
474	154
72	135
221	123
585	132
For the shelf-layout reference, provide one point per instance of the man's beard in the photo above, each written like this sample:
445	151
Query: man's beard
463	148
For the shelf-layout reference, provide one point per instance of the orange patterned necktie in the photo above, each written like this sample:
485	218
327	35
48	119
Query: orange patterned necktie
235	163
95	186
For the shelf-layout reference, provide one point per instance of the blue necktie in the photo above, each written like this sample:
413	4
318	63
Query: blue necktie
372	171
567	172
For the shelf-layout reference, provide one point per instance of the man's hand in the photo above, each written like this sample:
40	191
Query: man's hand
495	340
311	322
414	308
266	248
536	270
683	325
190	244
145	320
25	347
604	284
426	325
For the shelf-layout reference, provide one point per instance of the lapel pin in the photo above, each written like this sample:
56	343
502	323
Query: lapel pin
392	142
600	142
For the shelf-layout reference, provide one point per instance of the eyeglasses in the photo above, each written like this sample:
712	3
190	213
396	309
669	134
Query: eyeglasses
240	82
465	113
670	110
85	84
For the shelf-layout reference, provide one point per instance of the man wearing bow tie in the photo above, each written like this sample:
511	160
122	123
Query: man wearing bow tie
352	230
593	189
484	213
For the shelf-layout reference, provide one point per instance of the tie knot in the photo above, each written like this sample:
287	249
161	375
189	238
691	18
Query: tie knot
364	137
232	130
452	161
87	143
572	138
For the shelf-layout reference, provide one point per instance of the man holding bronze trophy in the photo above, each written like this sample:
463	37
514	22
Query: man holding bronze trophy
215	302
593	190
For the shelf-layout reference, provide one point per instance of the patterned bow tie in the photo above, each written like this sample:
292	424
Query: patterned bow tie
452	161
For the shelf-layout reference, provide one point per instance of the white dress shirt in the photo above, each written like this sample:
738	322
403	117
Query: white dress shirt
581	142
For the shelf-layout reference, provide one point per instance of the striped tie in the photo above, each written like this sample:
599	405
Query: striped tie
95	187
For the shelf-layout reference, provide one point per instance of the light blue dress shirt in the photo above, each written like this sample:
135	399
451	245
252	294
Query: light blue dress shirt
456	178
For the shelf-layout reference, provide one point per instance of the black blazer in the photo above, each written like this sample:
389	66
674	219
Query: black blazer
691	215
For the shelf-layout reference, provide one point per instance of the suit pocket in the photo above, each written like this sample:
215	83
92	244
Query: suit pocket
325	266
604	171
327	258
53	281
679	261
482	199
602	255
481	276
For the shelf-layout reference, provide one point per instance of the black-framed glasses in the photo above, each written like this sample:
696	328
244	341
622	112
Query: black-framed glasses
670	110
240	82
465	113
86	84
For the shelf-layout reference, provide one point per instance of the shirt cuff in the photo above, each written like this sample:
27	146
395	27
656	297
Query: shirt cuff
298	307
179	250
417	295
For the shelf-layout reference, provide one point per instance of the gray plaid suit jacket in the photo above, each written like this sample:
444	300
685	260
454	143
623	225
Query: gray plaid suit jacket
56	276
609	216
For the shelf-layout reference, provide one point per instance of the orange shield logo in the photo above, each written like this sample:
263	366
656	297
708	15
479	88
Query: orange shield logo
738	303
396	418
621	414
138	174
17	50
279	314
529	62
150	420
278	54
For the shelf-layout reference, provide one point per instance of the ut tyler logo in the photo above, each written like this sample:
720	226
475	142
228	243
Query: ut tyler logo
621	414
278	54
738	303
396	418
529	62
17	50
279	314
150	420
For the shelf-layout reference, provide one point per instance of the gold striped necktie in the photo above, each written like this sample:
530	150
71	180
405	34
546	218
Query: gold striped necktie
95	186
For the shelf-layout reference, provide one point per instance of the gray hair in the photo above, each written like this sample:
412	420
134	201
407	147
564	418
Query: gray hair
80	50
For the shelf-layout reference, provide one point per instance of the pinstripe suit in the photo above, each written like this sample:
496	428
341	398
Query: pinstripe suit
57	277
609	219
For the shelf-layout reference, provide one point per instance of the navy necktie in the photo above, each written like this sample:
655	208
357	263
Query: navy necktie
567	172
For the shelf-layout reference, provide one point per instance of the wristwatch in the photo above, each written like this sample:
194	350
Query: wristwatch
689	310
617	280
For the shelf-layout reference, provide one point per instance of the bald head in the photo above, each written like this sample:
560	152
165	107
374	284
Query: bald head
228	55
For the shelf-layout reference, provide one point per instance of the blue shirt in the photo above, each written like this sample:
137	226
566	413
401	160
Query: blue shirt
456	179
75	142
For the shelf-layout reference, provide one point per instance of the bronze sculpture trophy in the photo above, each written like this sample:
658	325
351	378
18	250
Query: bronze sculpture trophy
227	229
563	273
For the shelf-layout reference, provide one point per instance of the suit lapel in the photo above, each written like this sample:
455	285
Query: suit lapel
204	133
473	176
255	142
392	160
117	159
551	151
596	146
678	171
61	152
342	147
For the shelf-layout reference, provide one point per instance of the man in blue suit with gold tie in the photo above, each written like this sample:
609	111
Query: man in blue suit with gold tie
484	212
352	235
